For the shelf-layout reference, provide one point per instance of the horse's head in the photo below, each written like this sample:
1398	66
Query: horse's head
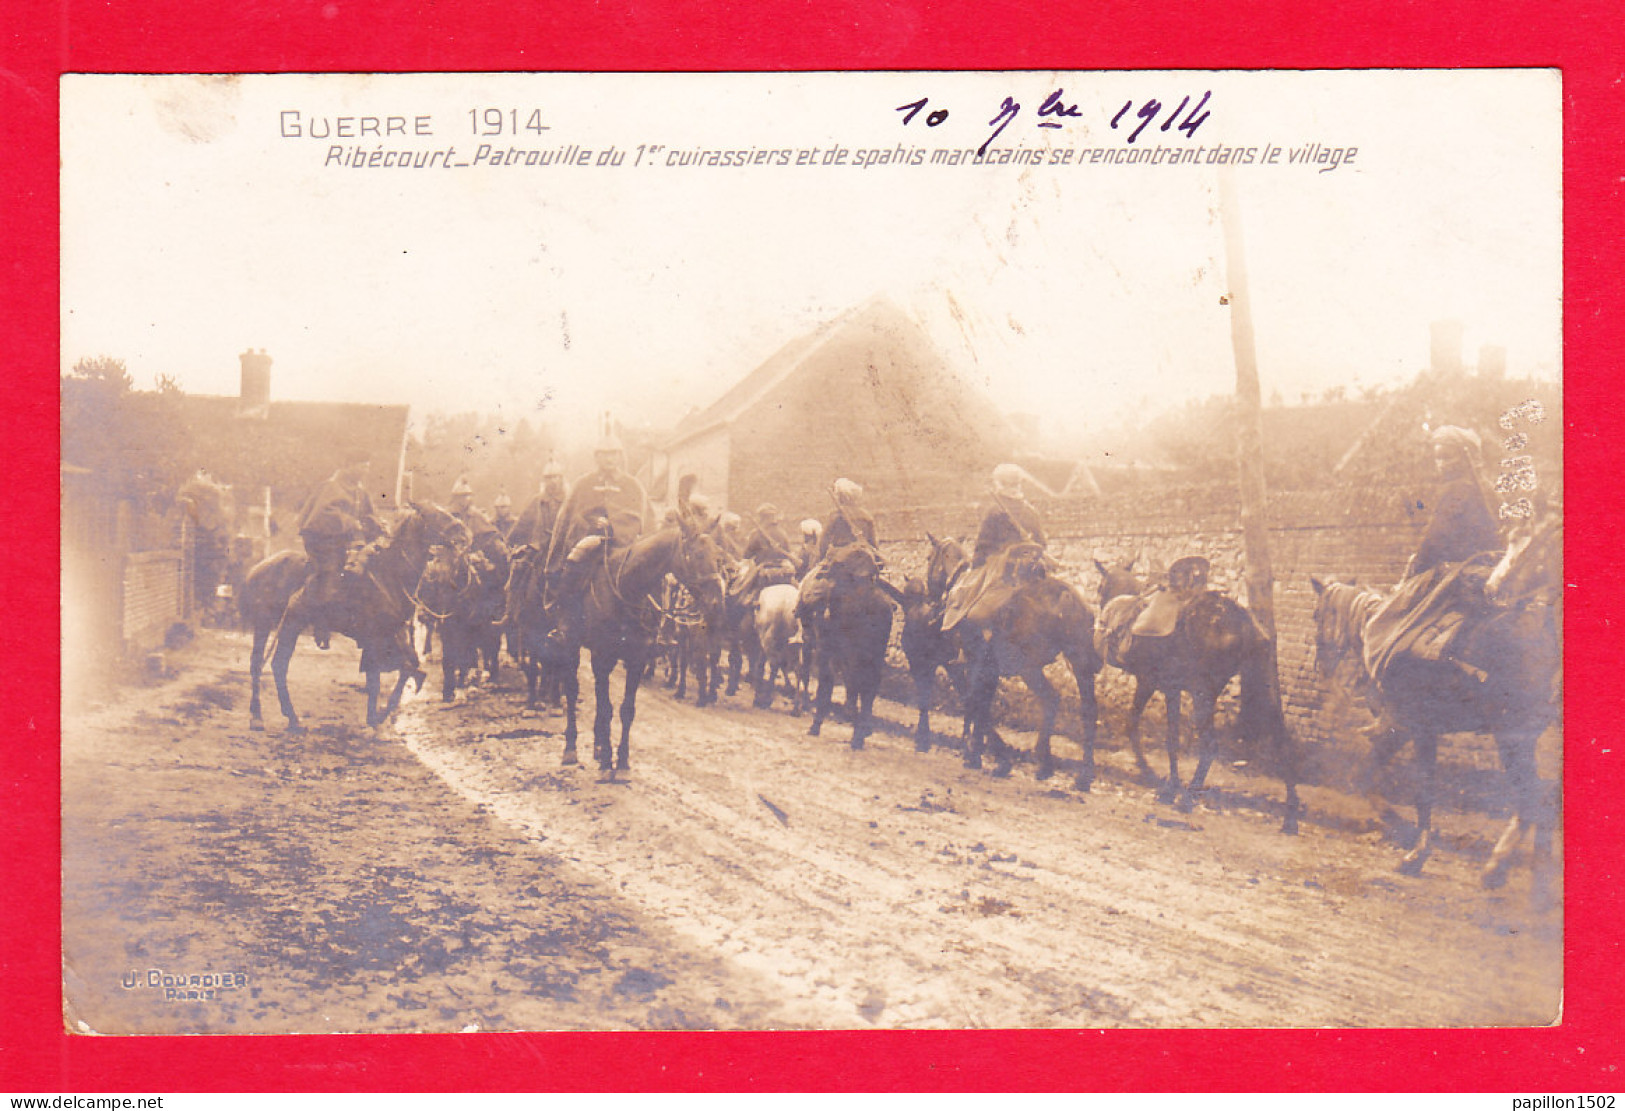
948	560
700	565
855	562
1340	613
427	525
1115	582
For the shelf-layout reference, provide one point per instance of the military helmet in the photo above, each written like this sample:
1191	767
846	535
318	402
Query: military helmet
767	513
503	501
847	492
461	488
553	468
609	443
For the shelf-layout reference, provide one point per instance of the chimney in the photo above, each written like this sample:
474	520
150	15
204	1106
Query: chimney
254	398
1492	361
1446	346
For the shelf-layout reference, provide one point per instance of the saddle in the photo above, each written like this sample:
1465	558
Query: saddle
982	591
1187	580
1428	614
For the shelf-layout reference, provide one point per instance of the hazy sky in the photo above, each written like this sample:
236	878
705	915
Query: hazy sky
195	226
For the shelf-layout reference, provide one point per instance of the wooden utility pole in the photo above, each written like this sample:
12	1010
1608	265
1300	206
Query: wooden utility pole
1250	433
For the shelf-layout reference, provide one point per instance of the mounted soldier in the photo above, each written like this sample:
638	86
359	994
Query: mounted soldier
729	535
1009	552
502	514
1443	583
536	520
607	508
338	516
849	528
812	533
767	555
487	537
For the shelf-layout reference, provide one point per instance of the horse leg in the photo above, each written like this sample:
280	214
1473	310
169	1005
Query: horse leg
603	665
821	697
1143	690
287	638
1084	675
1517	758
450	658
1427	761
984	736
570	681
863	722
629	709
924	690
1171	699
734	665
1049	699
1204	706
256	664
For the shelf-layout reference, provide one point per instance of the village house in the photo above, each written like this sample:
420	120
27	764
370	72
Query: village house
866	396
167	496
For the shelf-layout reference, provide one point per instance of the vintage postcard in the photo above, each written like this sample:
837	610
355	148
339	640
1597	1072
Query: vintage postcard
811	551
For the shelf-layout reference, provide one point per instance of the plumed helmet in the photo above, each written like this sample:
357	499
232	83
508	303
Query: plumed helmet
462	488
847	492
1007	479
767	513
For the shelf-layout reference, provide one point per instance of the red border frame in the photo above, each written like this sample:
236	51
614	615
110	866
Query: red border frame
1585	38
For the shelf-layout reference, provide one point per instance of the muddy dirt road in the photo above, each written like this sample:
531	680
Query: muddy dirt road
446	873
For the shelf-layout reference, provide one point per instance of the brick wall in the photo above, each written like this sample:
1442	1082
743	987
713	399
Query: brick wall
1359	534
153	593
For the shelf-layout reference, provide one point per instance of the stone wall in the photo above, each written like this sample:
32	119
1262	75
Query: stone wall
1354	534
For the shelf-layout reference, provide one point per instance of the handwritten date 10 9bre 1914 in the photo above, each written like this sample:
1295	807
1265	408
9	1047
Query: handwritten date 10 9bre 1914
1054	110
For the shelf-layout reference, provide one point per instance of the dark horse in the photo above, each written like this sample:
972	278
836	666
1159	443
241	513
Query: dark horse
463	593
620	620
926	647
849	639
549	673
374	609
1214	641
1500	677
1044	620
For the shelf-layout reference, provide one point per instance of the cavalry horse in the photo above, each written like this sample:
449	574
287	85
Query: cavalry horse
849	639
926	647
1044	620
620	620
462	592
1501	676
549	674
1214	640
778	644
374	609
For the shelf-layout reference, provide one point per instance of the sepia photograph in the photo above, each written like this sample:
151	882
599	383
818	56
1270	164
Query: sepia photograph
811	551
